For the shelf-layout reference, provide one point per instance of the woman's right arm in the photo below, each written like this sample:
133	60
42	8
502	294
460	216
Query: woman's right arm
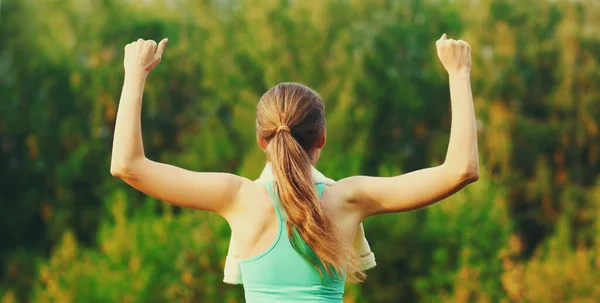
418	189
215	192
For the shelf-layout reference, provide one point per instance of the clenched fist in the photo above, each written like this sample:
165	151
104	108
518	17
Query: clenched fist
454	54
142	55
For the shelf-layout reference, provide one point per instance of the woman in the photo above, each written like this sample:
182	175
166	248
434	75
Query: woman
294	237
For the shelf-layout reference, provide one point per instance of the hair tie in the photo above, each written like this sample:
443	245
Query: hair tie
283	128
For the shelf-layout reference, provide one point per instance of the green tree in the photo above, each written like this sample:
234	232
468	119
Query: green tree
70	232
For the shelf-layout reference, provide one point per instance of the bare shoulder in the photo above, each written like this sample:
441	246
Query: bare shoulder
339	196
250	196
344	189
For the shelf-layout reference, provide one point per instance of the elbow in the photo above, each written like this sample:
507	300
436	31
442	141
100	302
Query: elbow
465	175
118	171
469	175
126	166
122	171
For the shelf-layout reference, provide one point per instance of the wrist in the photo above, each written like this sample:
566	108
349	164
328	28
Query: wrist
459	74
135	75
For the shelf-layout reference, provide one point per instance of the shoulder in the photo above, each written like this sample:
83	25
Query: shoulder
346	189
341	195
253	196
244	192
250	190
351	195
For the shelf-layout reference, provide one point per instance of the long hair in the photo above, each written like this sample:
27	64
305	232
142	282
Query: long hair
291	118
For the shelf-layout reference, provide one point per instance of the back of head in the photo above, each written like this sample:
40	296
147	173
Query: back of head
290	118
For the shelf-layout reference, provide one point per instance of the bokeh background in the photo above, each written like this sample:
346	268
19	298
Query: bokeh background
527	231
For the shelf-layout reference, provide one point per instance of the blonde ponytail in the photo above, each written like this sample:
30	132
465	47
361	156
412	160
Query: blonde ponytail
291	118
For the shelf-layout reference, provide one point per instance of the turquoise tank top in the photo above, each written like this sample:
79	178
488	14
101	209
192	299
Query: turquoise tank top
280	274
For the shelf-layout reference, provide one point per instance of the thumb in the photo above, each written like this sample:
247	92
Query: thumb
444	37
161	47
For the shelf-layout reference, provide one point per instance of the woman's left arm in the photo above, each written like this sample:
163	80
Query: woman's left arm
418	189
216	192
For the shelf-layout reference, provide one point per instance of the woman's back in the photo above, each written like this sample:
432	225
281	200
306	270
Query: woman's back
280	274
291	130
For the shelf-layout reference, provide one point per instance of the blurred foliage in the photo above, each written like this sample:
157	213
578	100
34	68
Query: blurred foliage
528	231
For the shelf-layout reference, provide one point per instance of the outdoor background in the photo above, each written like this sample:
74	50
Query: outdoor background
527	231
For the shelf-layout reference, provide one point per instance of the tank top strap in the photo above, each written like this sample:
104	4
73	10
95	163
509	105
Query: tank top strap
272	189
320	189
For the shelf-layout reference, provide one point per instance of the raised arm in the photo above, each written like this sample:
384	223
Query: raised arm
375	195
214	192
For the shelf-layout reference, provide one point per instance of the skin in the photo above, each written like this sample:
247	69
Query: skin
246	205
